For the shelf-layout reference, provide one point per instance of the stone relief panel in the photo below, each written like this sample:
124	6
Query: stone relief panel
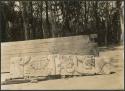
55	64
38	66
16	67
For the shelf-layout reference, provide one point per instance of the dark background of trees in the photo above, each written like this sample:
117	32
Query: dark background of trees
48	19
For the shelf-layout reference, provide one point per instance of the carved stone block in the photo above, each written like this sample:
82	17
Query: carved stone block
56	64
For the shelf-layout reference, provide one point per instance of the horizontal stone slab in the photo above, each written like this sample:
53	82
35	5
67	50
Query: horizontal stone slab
75	45
56	64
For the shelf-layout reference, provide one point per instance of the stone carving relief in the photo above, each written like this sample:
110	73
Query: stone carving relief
44	65
15	69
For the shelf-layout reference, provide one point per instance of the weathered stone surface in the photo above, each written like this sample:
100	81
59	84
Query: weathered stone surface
103	65
76	45
16	68
55	64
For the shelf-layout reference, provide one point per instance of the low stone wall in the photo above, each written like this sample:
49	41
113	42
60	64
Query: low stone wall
73	45
44	65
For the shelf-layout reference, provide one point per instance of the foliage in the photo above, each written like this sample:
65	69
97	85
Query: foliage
25	20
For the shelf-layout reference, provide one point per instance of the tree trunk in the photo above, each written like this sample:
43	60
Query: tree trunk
32	30
25	24
53	20
119	29
47	21
41	24
106	26
3	24
85	16
122	23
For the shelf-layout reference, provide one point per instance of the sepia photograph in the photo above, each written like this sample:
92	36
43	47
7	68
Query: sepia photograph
62	44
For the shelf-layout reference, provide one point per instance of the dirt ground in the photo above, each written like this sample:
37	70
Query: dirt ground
111	81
